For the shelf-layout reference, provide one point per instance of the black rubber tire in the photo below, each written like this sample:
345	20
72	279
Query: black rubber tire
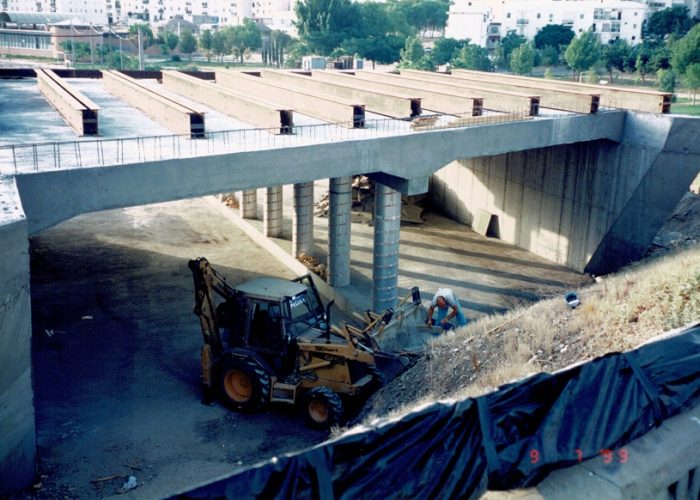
322	408
244	385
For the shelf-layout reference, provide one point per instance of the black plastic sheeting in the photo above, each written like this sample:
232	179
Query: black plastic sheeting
507	439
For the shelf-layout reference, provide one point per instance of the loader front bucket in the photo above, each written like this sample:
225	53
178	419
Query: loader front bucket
393	365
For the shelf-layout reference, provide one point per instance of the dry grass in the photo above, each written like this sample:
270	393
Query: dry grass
618	313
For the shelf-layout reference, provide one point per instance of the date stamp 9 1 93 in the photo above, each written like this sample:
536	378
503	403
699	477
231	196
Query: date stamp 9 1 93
608	456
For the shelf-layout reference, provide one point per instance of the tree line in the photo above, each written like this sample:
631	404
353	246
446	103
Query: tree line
392	32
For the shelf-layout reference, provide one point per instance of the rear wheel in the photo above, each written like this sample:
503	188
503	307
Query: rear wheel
322	408
244	385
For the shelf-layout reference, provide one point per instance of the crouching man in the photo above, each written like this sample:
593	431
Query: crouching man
448	313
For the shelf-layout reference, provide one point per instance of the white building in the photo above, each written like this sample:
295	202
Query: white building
91	11
692	5
471	19
484	21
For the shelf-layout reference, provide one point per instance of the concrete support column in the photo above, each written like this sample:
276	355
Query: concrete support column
272	215
303	219
248	204
385	261
339	231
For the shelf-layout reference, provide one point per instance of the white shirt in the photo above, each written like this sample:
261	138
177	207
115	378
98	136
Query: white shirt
445	293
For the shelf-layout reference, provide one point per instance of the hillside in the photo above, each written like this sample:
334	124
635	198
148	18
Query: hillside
617	313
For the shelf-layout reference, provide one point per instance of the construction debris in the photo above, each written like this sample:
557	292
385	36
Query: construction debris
230	201
314	265
363	203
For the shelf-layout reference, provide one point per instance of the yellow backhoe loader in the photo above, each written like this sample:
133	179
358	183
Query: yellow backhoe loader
271	340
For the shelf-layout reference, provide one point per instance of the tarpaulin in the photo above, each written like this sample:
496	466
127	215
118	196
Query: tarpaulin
506	439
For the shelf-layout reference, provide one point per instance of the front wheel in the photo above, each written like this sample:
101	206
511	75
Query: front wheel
322	408
244	385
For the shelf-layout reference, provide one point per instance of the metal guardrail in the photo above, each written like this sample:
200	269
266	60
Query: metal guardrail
28	158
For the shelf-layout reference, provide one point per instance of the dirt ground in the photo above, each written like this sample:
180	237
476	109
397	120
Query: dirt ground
116	355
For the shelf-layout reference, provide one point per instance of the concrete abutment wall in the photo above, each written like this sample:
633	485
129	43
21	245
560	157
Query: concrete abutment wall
590	206
17	435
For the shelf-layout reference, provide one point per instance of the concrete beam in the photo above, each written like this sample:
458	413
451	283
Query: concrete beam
453	102
408	187
497	100
278	118
575	100
649	101
394	104
408	156
172	114
79	112
342	112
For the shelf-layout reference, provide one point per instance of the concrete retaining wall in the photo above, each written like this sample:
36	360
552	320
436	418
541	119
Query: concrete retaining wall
17	436
592	206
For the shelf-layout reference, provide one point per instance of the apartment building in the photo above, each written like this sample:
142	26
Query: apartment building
90	11
485	21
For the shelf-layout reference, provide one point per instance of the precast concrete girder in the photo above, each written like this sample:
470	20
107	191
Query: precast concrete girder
248	204
303	219
78	111
272	213
342	112
521	103
340	190
407	187
169	112
394	104
649	101
432	99
385	261
577	101
278	118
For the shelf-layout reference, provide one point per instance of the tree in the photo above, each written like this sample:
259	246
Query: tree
425	15
445	48
471	56
667	80
147	37
324	24
168	42
615	57
206	43
672	21
413	55
686	51
243	38
555	36
187	44
643	62
583	52
218	44
522	60
279	41
549	55
379	36
691	79
505	48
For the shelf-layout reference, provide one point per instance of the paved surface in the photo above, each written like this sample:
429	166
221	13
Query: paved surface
116	346
488	275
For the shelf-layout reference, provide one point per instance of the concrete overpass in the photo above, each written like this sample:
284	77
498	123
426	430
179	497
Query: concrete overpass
586	190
